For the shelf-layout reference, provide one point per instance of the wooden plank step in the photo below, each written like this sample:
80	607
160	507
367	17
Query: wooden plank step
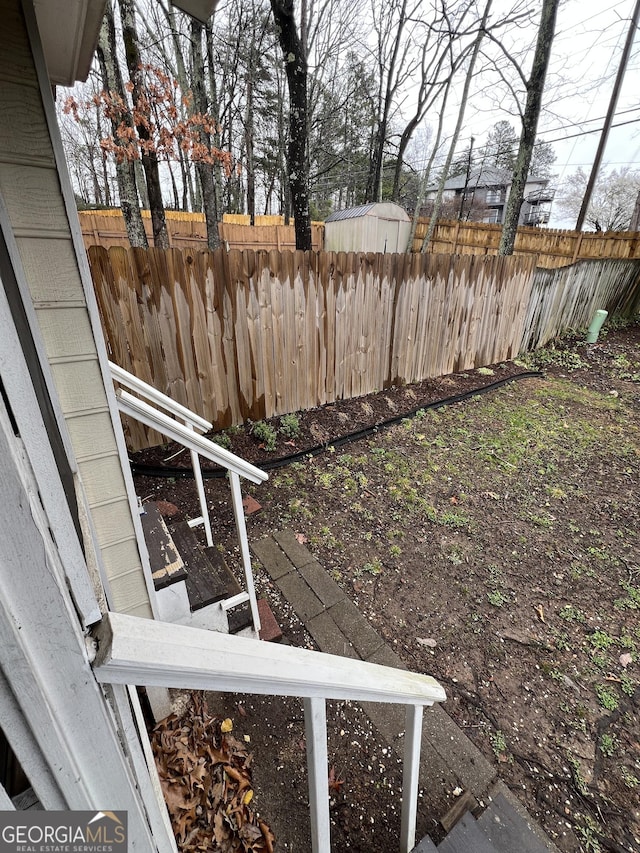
207	577
239	618
465	803
508	830
467	837
167	566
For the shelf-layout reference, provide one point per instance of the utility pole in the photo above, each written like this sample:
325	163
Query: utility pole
613	103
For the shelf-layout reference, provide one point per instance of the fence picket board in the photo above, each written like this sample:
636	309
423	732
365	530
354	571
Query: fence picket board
222	276
238	308
328	276
184	329
289	333
310	284
277	324
267	357
254	335
197	309
219	412
301	344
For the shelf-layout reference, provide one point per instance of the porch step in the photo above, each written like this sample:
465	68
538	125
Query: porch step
240	618
508	829
467	837
499	829
167	566
208	578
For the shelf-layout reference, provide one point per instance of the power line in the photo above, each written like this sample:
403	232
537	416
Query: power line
595	130
583	121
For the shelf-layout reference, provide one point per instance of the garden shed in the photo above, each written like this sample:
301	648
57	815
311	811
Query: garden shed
375	227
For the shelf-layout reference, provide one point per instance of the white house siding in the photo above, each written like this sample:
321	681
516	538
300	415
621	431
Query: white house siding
31	192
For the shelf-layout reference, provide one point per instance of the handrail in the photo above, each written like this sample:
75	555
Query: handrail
130	381
141	411
198	445
132	650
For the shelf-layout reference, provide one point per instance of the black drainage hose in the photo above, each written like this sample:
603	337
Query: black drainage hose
207	473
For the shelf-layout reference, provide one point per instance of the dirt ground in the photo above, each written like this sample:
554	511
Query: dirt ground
505	528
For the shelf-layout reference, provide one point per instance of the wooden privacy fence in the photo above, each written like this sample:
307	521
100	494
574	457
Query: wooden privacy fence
189	231
554	248
242	335
567	298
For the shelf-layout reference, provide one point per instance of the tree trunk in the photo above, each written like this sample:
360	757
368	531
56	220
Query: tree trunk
297	154
214	110
634	225
125	169
149	158
535	88
141	184
248	141
424	180
203	168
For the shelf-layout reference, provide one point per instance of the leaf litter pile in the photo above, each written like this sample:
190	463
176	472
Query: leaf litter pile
205	773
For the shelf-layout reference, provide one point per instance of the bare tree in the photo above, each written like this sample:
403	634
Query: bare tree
204	166
613	200
535	89
437	65
394	65
456	133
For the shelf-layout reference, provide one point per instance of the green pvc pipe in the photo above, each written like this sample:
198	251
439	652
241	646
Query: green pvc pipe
596	324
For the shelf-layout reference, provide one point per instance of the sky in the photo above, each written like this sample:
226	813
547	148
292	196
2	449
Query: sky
587	50
587	47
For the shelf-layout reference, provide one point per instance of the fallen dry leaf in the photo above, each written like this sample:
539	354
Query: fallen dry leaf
302	539
540	612
335	784
205	778
625	659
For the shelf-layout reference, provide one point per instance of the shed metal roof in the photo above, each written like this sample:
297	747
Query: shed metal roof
385	209
350	213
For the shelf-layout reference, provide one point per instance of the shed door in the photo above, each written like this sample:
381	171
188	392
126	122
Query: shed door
388	232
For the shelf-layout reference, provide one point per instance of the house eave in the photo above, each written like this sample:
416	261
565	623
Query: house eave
69	33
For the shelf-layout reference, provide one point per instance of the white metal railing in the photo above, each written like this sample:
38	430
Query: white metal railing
137	651
183	431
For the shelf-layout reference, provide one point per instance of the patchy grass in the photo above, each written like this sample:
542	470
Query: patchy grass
517	514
